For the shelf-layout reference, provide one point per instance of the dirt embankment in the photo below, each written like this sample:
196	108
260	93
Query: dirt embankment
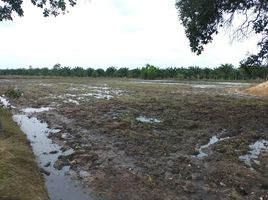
19	175
258	90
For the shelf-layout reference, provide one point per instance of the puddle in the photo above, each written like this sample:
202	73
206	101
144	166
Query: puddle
195	84
71	95
204	86
6	81
256	149
98	95
147	119
103	93
36	110
89	91
161	82
72	101
46	84
59	185
234	83
219	85
213	140
4	102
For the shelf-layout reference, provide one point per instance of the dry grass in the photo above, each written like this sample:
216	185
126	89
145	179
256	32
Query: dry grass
259	90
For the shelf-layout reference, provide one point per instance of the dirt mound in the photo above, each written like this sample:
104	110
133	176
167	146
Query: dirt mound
259	90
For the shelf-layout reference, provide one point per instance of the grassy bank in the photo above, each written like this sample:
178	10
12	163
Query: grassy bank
19	174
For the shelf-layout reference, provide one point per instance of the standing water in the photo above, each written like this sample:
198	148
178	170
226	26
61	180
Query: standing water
256	149
147	119
213	140
59	186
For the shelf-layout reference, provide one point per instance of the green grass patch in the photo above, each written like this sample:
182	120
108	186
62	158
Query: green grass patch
13	93
19	174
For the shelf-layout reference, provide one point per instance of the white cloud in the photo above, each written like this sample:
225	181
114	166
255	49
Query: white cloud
101	33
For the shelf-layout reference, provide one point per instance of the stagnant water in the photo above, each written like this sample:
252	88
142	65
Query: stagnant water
4	102
147	119
256	149
59	186
33	110
213	140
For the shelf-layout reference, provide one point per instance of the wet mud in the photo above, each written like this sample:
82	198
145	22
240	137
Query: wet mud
59	186
153	139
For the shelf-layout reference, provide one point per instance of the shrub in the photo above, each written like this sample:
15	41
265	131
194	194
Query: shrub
13	93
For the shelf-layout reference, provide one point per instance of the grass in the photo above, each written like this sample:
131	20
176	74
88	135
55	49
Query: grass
19	174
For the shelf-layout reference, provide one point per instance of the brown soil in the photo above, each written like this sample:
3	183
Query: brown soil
258	90
128	159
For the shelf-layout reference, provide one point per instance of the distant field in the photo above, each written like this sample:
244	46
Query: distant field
136	139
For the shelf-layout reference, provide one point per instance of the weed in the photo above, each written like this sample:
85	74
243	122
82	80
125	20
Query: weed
128	119
13	93
195	152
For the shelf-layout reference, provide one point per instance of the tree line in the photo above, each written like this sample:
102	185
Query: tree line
223	72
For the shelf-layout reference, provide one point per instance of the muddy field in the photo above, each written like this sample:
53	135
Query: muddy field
133	139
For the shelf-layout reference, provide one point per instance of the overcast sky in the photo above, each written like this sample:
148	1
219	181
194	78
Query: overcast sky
103	33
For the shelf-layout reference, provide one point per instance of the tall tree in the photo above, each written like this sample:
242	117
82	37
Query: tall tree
110	71
203	18
225	71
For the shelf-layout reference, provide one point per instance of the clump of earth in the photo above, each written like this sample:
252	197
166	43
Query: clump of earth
259	90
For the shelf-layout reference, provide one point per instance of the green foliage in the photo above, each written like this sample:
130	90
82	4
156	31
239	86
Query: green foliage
51	7
79	71
100	72
223	72
1	126
149	72
13	93
134	73
89	71
110	71
254	72
122	72
194	72
202	20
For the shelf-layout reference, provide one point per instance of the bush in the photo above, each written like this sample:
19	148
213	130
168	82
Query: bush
13	93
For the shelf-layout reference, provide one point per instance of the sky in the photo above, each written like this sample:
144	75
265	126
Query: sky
104	33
